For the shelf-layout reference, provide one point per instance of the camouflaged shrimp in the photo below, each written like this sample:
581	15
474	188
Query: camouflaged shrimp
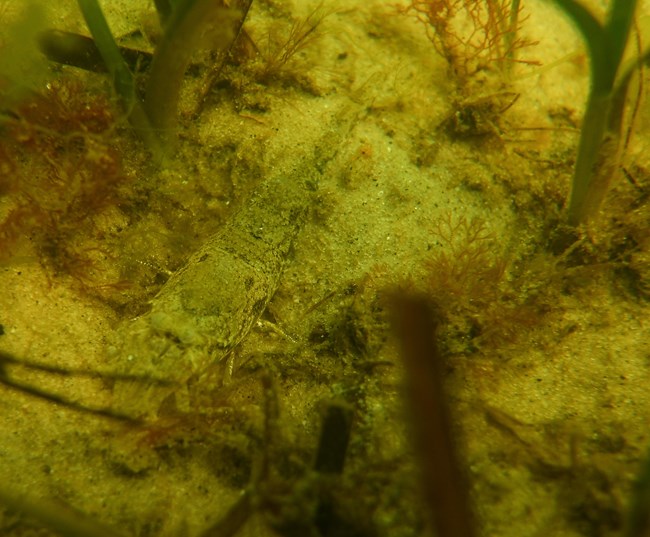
208	307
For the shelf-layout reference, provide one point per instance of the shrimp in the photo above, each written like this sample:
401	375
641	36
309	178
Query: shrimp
209	306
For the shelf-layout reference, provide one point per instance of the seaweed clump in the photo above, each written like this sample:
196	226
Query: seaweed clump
473	35
60	175
277	53
481	41
482	298
283	47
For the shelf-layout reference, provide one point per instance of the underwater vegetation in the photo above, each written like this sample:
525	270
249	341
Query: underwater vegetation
444	482
280	50
65	135
189	25
74	134
69	181
481	41
601	134
474	36
468	276
191	28
591	507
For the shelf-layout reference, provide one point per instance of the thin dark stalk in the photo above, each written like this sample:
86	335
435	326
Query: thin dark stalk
123	80
185	32
58	517
445	488
77	50
7	360
600	140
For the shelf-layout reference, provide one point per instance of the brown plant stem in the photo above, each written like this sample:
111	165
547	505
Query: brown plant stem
444	484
